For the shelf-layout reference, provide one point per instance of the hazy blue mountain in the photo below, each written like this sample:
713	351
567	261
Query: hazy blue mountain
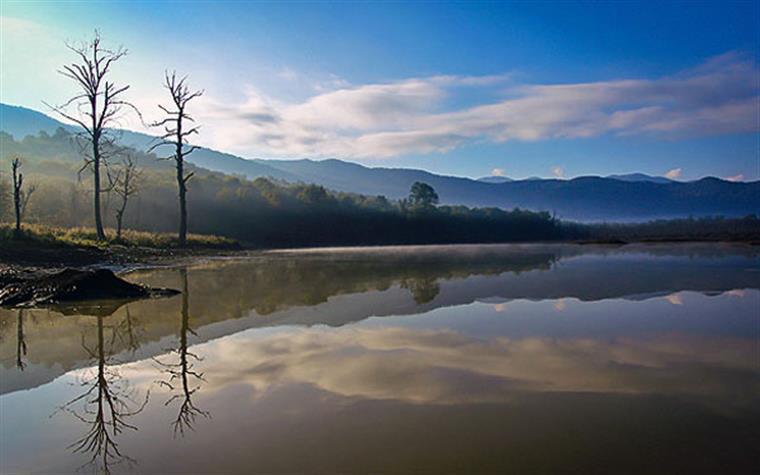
640	177
20	122
619	197
495	179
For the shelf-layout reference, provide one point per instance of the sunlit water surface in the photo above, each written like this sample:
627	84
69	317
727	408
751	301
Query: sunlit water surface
459	359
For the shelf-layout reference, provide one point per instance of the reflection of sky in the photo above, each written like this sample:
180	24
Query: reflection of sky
701	351
738	309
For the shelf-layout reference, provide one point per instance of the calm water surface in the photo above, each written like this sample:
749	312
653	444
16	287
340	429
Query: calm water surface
456	359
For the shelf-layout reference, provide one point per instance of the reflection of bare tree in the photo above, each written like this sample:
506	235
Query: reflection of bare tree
20	341
128	331
180	373
105	406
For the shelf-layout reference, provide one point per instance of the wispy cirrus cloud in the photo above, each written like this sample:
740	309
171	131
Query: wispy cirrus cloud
415	116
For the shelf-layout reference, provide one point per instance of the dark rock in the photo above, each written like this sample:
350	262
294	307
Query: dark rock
74	285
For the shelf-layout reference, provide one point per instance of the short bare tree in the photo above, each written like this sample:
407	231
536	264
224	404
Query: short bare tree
177	130
96	108
20	195
124	180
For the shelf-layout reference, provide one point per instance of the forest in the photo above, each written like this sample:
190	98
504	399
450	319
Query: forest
262	212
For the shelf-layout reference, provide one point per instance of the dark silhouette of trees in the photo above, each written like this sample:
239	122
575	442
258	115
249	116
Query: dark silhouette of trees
20	196
180	373
422	196
124	180
177	129
98	106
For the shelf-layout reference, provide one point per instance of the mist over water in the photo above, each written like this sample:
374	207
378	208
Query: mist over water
405	359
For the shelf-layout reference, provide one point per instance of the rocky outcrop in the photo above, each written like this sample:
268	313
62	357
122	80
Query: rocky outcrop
73	285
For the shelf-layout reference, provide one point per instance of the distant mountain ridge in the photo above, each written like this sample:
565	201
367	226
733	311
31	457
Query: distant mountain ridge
640	177
495	179
615	198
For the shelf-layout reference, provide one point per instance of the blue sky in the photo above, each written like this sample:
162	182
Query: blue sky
523	89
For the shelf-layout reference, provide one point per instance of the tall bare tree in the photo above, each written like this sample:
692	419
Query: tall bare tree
177	130
20	195
96	108
124	180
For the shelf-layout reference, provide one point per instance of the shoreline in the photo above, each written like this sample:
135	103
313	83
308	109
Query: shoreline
26	256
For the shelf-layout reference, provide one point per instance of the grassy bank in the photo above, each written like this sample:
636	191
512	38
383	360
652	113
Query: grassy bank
41	245
86	237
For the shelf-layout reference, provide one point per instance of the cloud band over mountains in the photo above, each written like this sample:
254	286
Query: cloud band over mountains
416	116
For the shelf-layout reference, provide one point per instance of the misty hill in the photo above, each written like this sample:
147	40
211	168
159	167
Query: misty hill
640	177
619	197
495	179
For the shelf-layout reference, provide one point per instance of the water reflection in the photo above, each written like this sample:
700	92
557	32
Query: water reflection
106	405
181	377
20	341
348	286
517	358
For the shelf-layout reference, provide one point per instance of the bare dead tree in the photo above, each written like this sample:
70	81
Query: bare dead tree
20	195
177	131
96	109
124	180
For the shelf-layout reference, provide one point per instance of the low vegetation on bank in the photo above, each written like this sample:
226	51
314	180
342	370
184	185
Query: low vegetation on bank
87	237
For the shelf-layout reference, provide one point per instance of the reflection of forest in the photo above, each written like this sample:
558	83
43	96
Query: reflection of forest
232	295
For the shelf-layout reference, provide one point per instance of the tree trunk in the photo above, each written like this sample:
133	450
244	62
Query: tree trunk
118	225
181	185
182	205
17	207
96	192
17	184
96	168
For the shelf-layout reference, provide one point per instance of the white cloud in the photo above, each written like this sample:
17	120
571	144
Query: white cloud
414	116
674	174
498	172
739	177
558	172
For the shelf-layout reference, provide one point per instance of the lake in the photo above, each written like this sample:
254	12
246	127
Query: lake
431	359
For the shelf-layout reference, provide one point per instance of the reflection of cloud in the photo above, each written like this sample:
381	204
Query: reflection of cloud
500	307
441	366
736	293
560	305
674	299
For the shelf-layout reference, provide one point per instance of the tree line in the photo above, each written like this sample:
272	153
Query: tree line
262	212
